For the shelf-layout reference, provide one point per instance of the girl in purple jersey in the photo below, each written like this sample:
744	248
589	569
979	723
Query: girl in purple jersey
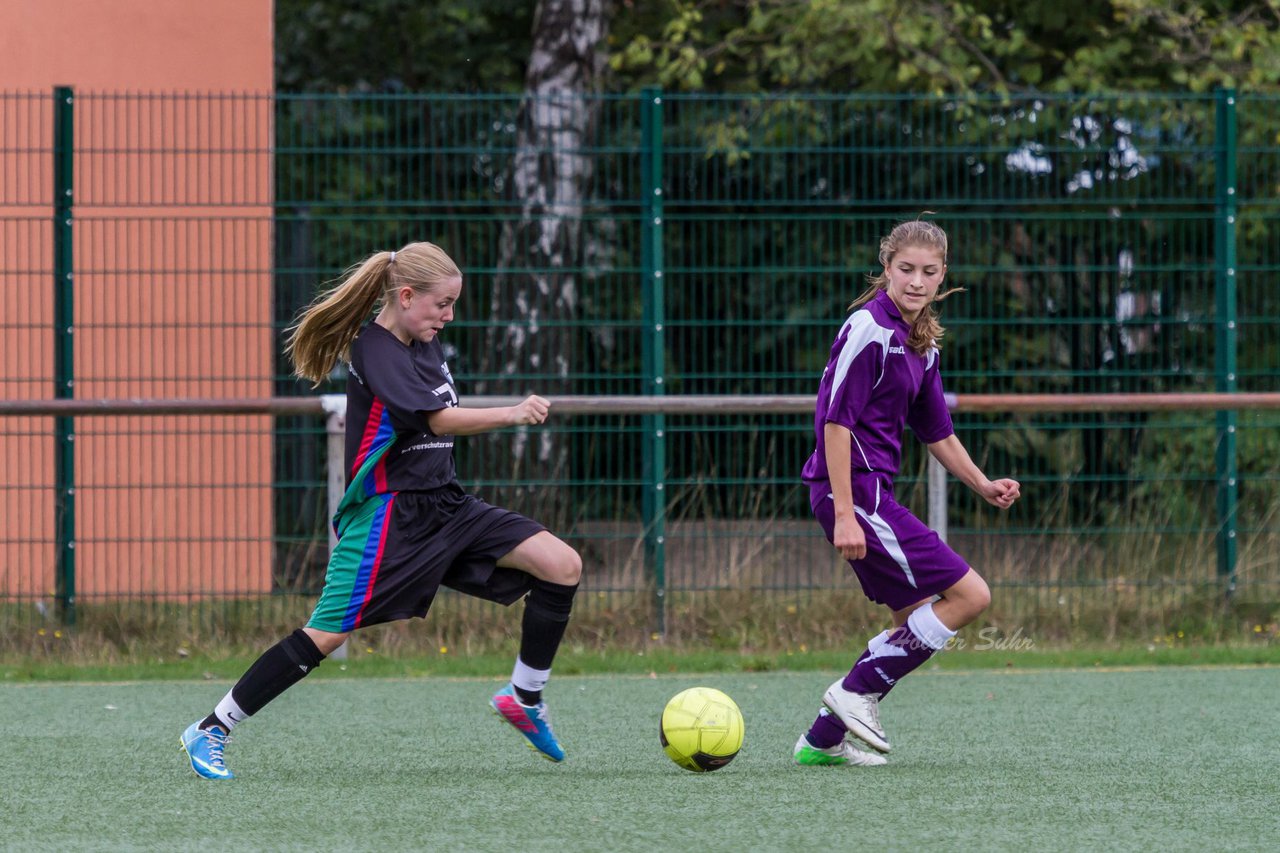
883	376
405	527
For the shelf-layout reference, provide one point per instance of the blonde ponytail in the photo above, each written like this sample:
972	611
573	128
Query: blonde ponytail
325	329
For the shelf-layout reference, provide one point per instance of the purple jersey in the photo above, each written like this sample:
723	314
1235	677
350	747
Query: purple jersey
874	385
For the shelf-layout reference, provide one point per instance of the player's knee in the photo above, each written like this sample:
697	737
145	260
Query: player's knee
979	596
326	642
568	567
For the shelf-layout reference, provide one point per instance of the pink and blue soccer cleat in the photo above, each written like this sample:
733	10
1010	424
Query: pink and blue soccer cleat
532	722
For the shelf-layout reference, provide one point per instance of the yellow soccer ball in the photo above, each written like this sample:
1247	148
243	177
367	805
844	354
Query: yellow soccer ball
702	729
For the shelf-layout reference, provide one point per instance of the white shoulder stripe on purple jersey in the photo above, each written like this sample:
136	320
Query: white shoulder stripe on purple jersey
861	330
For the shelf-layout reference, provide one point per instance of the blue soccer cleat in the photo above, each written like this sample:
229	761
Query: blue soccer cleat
204	748
532	722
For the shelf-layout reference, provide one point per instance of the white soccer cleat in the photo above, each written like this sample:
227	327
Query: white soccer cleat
860	757
860	713
843	753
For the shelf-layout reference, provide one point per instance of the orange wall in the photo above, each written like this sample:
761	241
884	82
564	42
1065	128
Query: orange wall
213	45
172	291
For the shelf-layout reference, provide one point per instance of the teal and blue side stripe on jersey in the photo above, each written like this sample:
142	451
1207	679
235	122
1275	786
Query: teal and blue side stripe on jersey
362	522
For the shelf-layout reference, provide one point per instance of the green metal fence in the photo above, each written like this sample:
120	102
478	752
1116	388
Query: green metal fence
1106	245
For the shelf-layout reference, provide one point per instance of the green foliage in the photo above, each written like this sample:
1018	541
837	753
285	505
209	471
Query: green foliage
401	45
950	46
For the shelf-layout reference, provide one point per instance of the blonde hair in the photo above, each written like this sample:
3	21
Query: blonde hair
926	331
325	329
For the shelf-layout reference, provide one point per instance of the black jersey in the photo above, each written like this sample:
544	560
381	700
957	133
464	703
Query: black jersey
390	389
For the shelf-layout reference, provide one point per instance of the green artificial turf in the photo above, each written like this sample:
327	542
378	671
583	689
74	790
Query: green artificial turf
1141	759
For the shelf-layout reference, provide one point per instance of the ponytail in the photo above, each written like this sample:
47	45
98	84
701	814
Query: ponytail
325	329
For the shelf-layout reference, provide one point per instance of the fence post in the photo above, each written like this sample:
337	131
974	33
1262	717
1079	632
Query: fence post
654	503
64	428
1225	335
335	428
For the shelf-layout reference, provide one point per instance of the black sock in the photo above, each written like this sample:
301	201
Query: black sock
212	720
546	615
279	668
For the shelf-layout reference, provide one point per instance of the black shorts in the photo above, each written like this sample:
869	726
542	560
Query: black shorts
397	550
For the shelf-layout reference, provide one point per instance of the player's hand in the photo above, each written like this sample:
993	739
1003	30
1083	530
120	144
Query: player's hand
1001	493
531	410
849	539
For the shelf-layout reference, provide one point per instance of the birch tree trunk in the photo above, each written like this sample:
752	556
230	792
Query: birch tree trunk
536	290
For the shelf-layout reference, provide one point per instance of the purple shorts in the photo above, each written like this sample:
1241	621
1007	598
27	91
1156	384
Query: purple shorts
906	562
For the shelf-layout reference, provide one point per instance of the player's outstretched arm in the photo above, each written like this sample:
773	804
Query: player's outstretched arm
462	421
953	456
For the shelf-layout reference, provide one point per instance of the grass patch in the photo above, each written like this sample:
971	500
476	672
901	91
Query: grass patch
654	661
1140	582
711	631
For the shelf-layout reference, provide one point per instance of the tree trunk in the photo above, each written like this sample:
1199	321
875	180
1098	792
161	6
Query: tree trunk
530	346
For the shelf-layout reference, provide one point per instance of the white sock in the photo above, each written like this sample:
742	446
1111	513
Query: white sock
926	625
877	641
229	713
527	678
